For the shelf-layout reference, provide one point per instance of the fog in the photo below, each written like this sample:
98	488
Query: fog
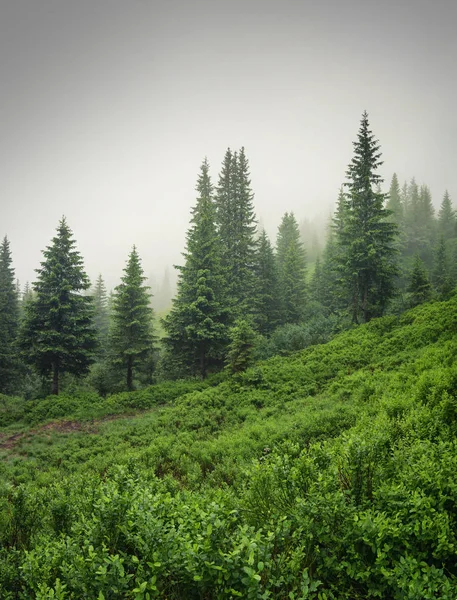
108	108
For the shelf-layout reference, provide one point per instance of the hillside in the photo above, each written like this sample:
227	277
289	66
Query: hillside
328	474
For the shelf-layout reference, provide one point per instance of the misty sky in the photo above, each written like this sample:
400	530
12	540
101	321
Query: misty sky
108	107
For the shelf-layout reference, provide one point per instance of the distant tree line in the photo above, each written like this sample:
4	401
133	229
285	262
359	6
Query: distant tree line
237	297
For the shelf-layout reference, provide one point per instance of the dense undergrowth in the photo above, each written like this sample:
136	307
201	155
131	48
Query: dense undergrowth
328	474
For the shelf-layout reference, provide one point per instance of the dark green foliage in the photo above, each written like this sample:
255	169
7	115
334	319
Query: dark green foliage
196	326
420	289
9	321
441	276
419	223
291	338
291	260
237	227
317	283
242	341
268	303
446	218
365	237
332	298
412	222
397	202
131	336
339	221
427	231
394	202
26	296
57	333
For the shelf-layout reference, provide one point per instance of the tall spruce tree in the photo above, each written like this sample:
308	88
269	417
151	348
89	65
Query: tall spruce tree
394	203
317	283
237	230
131	335
447	218
333	291
411	205
291	260
101	315
366	241
57	334
420	288
441	276
268	304
339	220
27	296
404	197
330	296
427	224
9	320
196	326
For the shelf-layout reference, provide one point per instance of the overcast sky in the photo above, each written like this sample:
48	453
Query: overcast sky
108	107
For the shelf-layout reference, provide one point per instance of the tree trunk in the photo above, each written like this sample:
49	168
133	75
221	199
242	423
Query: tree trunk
55	379
129	374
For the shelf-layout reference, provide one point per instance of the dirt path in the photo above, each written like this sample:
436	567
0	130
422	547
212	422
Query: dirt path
10	442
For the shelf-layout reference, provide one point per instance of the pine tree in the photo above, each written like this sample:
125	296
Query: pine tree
317	283
131	335
420	226
342	211
241	346
404	197
330	293
237	230
420	289
58	334
412	219
453	268
441	276
26	296
9	320
196	325
329	277
28	293
291	260
397	205
426	210
394	203
447	218
268	304
333	292
427	229
366	241
101	315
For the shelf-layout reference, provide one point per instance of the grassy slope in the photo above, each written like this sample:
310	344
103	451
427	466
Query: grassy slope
329	472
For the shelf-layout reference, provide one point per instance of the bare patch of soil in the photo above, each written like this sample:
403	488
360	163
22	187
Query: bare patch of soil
11	441
8	443
58	426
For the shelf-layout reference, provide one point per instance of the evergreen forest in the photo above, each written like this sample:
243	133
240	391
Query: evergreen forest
285	429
